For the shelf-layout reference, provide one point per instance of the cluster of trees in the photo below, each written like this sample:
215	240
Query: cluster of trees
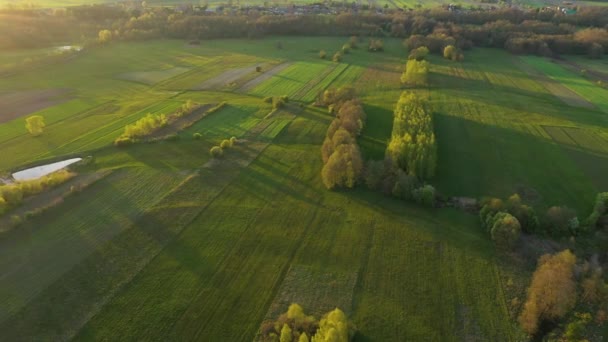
557	221
343	164
35	125
12	194
557	284
153	122
296	326
552	293
416	71
412	147
218	151
453	53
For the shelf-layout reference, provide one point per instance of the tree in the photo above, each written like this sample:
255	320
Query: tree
344	167
322	54
524	214
105	36
216	152
286	334
425	195
506	230
333	327
225	144
600	209
35	125
337	57
552	293
419	53
303	338
346	48
416	73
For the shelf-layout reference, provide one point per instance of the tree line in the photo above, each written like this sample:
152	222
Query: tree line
520	31
342	160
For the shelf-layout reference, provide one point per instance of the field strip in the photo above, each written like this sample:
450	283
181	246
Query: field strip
225	78
576	68
182	122
52	197
263	77
560	91
66	245
300	94
19	104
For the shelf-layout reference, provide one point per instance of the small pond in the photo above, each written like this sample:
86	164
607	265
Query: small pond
43	170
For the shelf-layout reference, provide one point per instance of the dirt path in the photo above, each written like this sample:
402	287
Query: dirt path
560	91
263	77
20	103
225	78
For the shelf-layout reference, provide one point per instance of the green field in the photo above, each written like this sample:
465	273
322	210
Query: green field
174	246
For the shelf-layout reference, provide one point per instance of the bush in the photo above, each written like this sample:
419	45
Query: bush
322	54
267	99
225	144
216	152
258	69
16	220
337	57
285	98
374	173
278	103
600	209
345	48
123	141
233	141
505	230
425	195
197	136
405	186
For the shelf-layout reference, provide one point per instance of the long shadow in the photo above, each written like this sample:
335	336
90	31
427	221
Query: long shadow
477	159
517	99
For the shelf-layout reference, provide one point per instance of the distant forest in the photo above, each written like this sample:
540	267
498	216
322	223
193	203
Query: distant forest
542	31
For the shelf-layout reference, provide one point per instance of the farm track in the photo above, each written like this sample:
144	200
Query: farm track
263	77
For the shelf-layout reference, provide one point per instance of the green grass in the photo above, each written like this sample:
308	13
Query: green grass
153	77
172	246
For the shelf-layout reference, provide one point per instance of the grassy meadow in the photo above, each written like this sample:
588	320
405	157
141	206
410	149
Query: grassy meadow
174	246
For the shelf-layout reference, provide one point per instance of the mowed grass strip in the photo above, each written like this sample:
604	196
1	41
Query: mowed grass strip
290	80
586	89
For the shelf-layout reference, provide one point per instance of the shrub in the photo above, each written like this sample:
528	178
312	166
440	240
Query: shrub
405	186
599	209
233	141
171	137
337	57
345	48
524	214
35	125
490	207
225	144
197	136
322	54
123	141
285	98
16	220
267	99
216	152
375	45
258	69
425	195
277	103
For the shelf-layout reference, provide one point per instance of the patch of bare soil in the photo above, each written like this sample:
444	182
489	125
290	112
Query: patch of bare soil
263	77
224	79
16	104
560	91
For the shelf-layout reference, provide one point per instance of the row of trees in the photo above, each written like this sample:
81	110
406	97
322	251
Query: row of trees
153	122
412	147
416	68
11	195
557	221
343	164
218	151
296	326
